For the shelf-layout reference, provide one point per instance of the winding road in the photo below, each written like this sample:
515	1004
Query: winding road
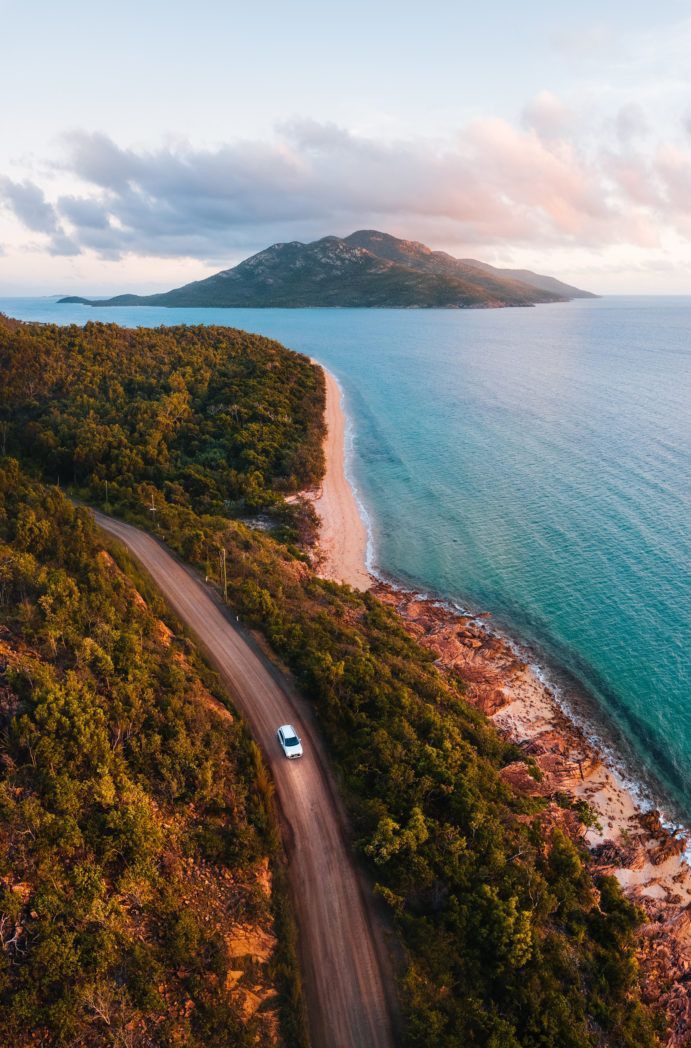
346	969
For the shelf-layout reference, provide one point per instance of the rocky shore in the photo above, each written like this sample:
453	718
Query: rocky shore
623	840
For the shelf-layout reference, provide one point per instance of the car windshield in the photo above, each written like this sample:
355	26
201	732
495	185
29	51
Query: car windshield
293	741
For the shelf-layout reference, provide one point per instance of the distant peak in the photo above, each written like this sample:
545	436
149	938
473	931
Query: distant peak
368	237
373	235
284	243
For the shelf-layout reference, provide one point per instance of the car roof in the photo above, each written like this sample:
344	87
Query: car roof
288	729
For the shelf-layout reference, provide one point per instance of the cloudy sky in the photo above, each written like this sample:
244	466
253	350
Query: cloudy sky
146	144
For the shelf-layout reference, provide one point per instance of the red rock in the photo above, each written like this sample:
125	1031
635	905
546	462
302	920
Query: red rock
650	821
667	850
518	776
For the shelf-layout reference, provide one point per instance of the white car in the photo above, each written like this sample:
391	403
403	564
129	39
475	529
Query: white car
290	741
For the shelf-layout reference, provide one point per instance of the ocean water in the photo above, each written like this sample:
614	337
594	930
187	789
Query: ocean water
534	463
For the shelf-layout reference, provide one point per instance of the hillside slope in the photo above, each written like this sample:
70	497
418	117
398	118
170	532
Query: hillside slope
366	269
136	898
537	280
218	419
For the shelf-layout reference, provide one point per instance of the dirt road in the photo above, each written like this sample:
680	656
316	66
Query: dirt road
346	972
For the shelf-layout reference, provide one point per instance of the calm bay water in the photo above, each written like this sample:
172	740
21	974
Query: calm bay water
535	463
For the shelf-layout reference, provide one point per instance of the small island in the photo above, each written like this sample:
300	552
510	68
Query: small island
365	269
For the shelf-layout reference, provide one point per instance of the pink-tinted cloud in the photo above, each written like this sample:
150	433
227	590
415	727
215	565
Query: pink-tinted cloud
548	116
673	167
547	182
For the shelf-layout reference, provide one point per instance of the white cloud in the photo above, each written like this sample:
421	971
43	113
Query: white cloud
29	204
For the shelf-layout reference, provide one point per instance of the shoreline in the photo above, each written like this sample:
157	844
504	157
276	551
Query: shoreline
343	535
628	840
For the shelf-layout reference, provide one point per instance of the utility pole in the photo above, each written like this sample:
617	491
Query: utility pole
225	577
152	508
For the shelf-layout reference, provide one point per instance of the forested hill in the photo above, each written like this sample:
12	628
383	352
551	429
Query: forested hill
505	937
367	268
134	841
216	419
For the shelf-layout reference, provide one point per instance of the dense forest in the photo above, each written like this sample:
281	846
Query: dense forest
133	839
216	419
508	939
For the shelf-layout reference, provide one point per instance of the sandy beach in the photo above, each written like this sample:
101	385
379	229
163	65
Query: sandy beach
343	536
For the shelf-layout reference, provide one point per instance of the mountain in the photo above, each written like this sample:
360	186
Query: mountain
367	268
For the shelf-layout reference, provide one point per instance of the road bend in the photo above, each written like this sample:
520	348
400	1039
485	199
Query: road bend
346	970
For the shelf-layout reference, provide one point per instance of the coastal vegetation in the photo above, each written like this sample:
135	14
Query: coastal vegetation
215	419
508	938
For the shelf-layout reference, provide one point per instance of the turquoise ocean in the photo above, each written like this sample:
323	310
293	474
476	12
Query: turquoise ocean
533	463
